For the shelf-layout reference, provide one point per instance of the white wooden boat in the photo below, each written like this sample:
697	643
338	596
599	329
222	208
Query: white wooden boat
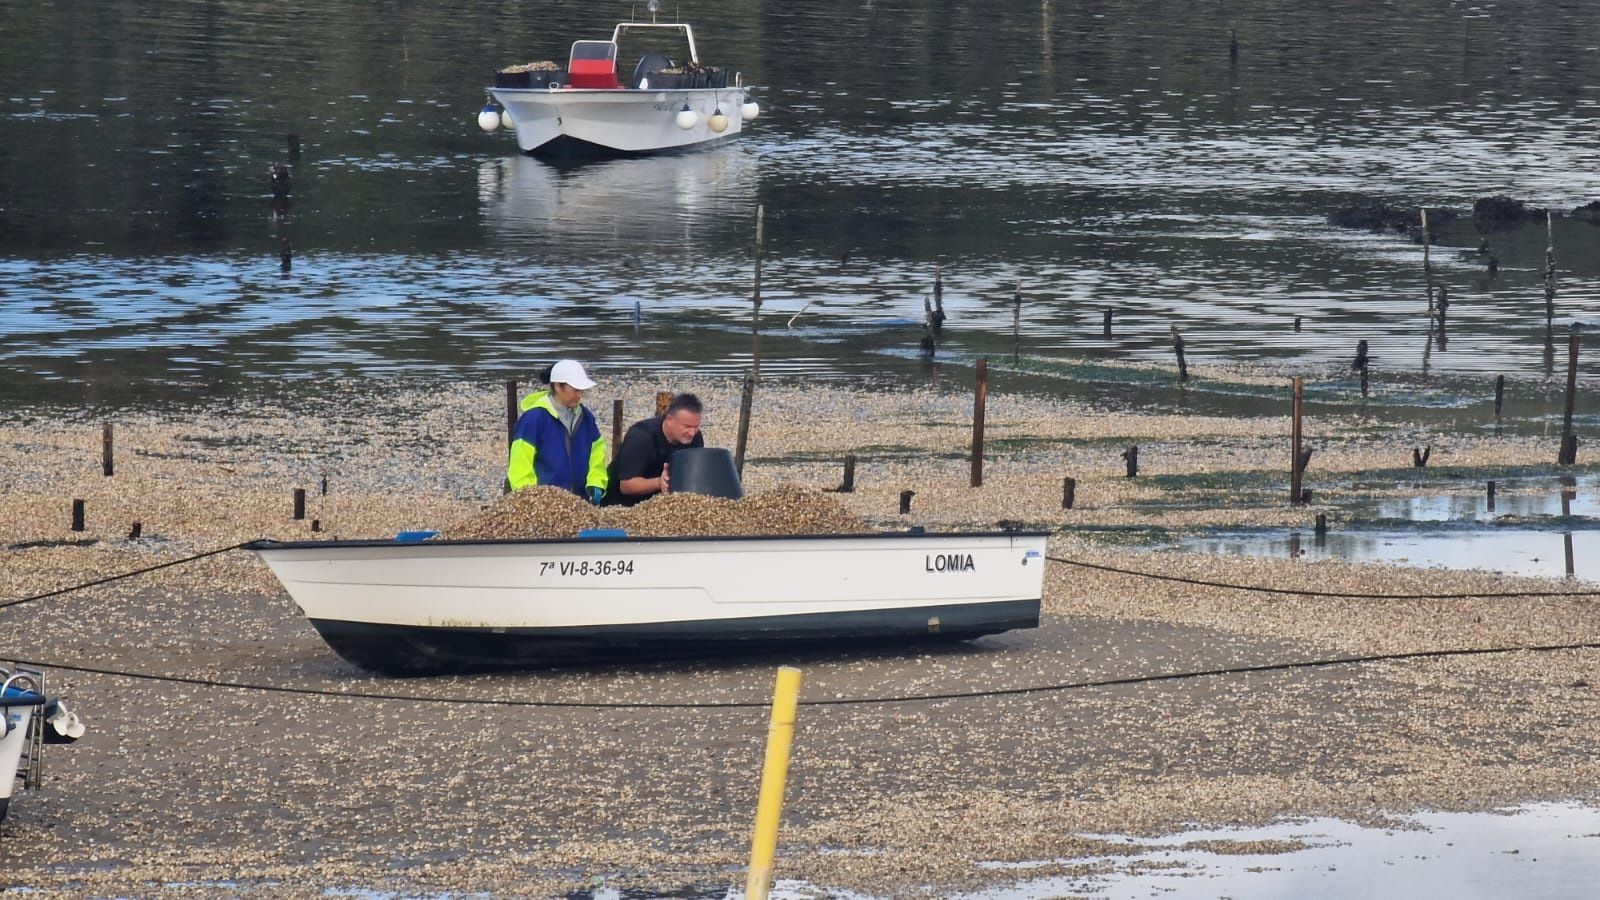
591	107
416	607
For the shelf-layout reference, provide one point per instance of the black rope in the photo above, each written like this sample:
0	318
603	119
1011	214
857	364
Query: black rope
1308	593
838	701
110	578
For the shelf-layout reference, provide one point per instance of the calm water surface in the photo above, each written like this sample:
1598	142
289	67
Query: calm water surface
1105	155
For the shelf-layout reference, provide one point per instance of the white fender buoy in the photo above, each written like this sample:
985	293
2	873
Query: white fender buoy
718	122
687	118
488	119
749	110
506	121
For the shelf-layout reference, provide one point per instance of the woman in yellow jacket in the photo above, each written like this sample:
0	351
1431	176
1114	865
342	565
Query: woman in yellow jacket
557	441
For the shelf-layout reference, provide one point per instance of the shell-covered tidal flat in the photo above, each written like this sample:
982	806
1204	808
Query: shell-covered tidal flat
185	788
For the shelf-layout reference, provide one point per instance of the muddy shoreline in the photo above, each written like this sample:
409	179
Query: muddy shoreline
185	789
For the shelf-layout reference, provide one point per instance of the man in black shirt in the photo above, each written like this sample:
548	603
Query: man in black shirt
640	470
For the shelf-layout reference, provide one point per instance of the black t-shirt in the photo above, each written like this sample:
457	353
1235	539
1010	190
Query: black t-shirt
643	454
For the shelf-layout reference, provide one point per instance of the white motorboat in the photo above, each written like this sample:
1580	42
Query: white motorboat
406	607
28	721
588	107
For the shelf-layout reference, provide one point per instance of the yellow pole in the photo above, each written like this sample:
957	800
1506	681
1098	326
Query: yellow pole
765	842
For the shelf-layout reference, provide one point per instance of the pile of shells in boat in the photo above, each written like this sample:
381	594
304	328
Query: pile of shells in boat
785	510
538	511
543	65
548	512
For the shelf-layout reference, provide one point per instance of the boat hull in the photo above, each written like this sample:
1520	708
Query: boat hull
570	121
412	608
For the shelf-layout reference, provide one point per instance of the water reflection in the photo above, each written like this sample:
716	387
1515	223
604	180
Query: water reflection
1512	551
685	204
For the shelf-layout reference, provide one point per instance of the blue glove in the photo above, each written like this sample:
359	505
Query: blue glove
595	495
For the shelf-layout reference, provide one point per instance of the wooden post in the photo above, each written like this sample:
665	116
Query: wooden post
1296	323
1016	325
1296	474
1427	265
1069	492
77	515
1419	456
511	412
1549	266
324	484
616	426
299	503
848	486
905	501
1569	441
316	524
1499	395
1107	323
938	300
1132	456
663	400
980	398
1491	496
1566	541
135	531
1322	524
106	461
744	422
755	297
1177	346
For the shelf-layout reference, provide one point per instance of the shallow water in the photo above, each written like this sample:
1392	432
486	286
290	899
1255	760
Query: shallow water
1104	156
1541	850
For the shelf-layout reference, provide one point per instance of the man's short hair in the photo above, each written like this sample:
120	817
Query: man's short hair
684	403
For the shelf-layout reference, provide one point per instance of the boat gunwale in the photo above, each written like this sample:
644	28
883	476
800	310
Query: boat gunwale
268	544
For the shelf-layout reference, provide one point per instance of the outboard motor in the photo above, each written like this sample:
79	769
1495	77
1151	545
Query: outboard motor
644	74
29	720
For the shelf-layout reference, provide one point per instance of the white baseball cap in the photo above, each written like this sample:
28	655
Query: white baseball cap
568	371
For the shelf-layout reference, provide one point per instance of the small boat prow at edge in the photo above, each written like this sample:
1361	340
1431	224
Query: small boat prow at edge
414	607
588	108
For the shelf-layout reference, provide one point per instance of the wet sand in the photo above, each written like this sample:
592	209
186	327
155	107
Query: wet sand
187	789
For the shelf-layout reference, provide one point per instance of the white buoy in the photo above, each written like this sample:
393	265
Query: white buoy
749	110
488	119
506	121
687	118
718	122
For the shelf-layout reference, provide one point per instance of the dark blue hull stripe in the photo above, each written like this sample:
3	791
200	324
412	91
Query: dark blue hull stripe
420	649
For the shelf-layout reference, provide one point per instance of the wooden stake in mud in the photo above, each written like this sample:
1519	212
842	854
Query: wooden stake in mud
1491	496
905	501
1322	524
135	531
77	515
938	301
1296	323
299	503
1499	397
1106	326
511	412
1177	347
745	400
1069	492
1132	456
616	425
106	461
848	486
1569	441
979	399
1296	473
663	400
